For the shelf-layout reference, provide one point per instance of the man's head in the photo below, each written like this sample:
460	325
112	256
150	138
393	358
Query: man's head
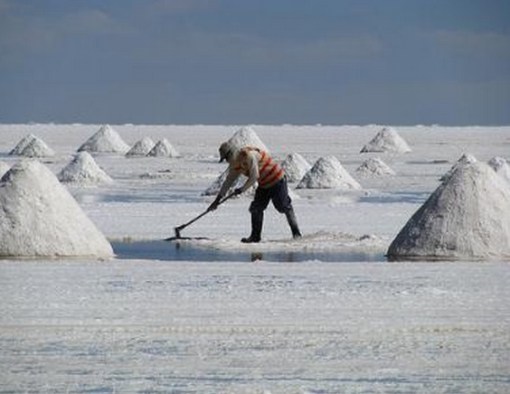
227	150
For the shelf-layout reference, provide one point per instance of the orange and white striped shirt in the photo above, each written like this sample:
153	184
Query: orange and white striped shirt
255	164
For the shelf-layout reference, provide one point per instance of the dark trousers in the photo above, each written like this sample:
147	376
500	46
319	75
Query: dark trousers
278	194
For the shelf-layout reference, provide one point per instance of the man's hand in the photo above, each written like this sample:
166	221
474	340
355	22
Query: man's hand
238	191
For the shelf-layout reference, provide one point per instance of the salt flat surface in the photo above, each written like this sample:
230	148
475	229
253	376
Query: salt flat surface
256	327
261	327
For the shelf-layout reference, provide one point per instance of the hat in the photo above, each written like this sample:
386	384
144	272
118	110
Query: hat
226	150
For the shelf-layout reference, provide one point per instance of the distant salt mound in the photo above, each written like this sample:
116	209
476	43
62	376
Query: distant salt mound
4	167
387	140
32	146
141	148
106	140
466	158
328	173
374	167
295	167
246	136
83	170
501	166
163	149
40	218
467	217
22	144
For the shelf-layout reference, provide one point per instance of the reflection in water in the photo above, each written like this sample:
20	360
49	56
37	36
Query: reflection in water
183	251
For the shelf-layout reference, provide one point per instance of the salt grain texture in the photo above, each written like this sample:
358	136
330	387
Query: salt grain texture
467	217
40	218
466	158
374	167
387	140
84	170
295	167
163	148
328	173
141	148
105	140
501	166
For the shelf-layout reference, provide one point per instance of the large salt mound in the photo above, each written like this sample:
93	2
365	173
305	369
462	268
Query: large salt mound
4	167
387	140
295	167
141	148
163	149
83	170
246	136
374	167
40	218
501	166
32	146
328	173
106	140
467	217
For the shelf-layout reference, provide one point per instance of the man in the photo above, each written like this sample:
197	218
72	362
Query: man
259	167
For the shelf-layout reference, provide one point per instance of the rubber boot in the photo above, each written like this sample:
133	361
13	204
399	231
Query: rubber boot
257	218
291	218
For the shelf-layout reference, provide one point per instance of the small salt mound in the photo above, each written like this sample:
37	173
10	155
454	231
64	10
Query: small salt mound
216	185
295	167
466	158
467	217
40	218
32	146
163	149
387	140
328	173
374	167
22	144
106	140
4	167
246	136
141	148
501	166
83	170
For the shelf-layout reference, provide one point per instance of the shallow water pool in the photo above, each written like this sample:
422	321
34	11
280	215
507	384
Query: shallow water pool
184	251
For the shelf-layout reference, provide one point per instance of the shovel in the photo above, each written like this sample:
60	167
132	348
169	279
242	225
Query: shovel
178	229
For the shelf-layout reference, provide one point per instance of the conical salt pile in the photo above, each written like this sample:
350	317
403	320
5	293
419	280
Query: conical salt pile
4	167
328	173
466	158
106	140
246	136
83	170
141	148
295	167
501	166
40	218
163	149
387	140
22	144
374	167
32	146
467	217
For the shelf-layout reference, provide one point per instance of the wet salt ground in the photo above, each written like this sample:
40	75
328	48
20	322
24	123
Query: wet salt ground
184	251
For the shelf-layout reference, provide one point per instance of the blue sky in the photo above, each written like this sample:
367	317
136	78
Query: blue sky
399	62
